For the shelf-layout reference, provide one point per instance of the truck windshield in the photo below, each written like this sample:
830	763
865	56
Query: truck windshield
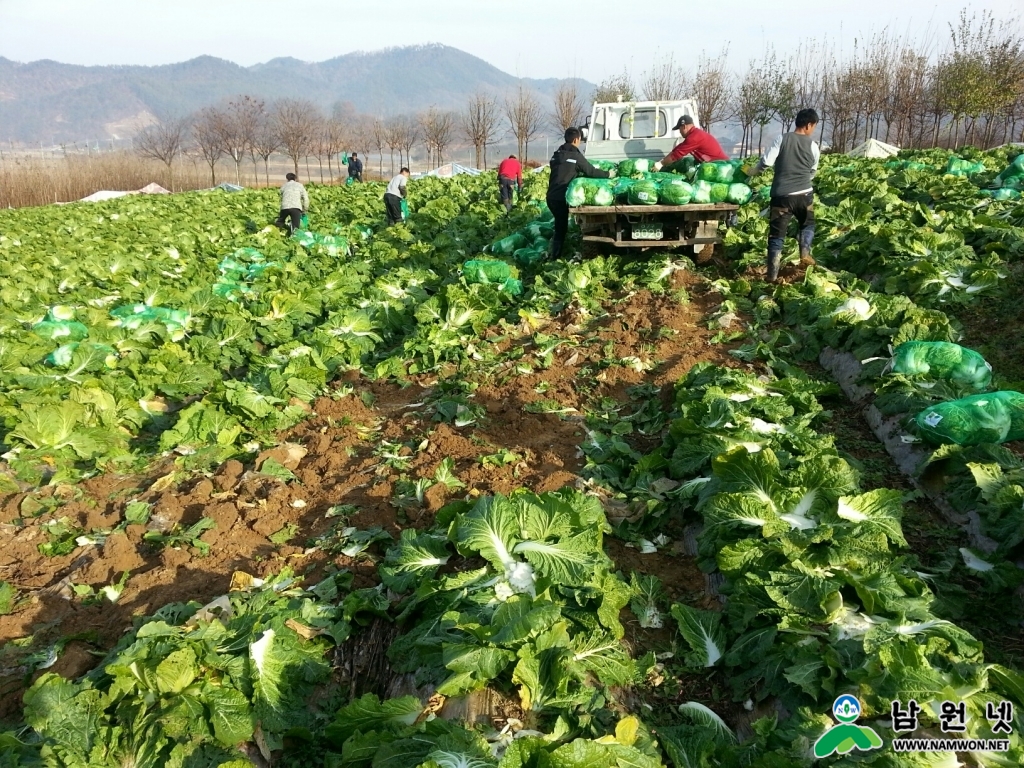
645	125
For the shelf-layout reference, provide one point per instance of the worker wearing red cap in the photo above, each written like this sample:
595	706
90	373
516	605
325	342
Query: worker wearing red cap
701	144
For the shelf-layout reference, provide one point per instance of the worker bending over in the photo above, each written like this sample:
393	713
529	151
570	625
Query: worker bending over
566	164
294	203
701	144
510	173
394	195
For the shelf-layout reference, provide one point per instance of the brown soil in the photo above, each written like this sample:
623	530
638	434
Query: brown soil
338	466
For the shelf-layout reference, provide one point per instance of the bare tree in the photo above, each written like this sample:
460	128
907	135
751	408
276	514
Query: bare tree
664	81
982	72
162	142
480	124
569	107
393	140
771	83
438	132
264	142
784	100
748	98
525	118
616	88
359	134
406	136
319	147
379	137
836	105
237	126
712	88
334	139
206	134
1004	64
905	100
296	123
808	67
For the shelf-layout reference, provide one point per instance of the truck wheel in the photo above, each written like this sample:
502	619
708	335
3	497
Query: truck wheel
589	250
705	255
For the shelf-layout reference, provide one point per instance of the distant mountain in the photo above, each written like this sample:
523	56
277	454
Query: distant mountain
49	102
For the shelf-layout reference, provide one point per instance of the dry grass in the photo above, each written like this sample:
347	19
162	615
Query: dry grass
28	180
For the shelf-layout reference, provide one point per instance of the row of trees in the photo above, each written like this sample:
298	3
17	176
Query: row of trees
966	87
248	129
910	92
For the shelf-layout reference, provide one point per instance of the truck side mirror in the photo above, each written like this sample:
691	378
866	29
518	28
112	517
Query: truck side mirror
585	131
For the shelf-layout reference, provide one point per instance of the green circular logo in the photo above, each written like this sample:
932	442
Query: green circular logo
846	708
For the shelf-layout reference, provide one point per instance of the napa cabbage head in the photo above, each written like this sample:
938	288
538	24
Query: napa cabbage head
529	537
854	310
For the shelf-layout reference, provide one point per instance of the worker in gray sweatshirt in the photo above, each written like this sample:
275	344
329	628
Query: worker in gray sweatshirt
795	157
294	203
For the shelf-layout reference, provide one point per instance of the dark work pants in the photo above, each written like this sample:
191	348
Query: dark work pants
560	210
783	210
295	214
505	184
393	208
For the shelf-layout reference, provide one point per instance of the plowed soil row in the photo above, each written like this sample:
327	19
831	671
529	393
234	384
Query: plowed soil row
334	456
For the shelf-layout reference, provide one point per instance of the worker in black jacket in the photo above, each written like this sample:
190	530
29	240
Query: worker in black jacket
566	164
355	167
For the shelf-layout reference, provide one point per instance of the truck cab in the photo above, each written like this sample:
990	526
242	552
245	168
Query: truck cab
635	129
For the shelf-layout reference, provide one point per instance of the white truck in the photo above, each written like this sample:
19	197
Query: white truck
644	129
632	129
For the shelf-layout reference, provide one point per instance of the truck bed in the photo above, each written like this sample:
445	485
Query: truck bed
606	209
695	225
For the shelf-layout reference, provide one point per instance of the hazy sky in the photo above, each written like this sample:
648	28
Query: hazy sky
527	37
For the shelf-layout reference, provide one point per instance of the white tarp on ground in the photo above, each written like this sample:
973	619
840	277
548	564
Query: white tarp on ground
448	170
103	194
874	148
109	194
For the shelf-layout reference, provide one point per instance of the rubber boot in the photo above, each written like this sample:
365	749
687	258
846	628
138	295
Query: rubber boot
774	262
805	238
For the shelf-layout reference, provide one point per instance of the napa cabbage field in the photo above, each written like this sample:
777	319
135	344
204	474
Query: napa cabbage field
618	511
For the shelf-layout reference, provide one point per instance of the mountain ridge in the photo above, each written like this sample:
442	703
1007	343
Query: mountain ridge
49	101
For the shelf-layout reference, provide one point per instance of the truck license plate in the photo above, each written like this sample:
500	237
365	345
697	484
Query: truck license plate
648	231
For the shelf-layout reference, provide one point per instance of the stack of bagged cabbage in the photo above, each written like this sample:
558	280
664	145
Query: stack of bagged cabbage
1009	184
986	417
529	245
682	183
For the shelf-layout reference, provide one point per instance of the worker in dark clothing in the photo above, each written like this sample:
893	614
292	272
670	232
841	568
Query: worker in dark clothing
795	157
566	164
355	167
510	173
